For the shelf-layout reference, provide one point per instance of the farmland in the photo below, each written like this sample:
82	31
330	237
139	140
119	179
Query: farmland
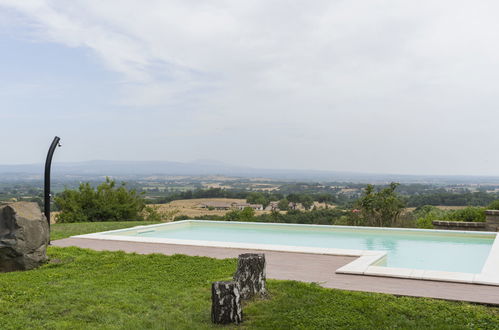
191	207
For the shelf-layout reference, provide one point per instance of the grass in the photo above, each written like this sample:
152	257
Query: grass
64	230
114	290
110	290
82	289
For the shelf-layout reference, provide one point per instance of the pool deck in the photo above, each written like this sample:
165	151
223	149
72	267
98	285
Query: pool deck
307	267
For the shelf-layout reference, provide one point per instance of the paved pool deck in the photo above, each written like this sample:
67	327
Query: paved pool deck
309	268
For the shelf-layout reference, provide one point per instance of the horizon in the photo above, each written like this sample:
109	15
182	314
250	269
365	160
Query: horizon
361	87
229	166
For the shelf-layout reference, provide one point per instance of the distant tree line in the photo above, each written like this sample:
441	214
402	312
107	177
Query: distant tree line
253	197
199	193
417	199
380	206
452	199
376	207
321	216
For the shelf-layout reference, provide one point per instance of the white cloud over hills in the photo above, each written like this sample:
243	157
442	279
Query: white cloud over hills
407	85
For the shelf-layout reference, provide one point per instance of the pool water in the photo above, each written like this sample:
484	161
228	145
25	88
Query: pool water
416	249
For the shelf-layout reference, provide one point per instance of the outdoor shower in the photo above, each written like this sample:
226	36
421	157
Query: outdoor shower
48	164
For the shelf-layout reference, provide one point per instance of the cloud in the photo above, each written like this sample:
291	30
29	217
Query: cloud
317	73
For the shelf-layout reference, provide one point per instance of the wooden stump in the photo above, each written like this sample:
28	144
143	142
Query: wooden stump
225	303
250	275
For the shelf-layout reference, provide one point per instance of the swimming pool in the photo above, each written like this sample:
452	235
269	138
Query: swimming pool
412	253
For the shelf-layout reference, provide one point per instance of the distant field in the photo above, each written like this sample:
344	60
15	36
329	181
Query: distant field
189	207
53	216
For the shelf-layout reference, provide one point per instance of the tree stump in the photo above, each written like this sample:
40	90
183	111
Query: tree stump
225	303
250	275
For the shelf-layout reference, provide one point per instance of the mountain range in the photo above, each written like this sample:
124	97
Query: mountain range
141	169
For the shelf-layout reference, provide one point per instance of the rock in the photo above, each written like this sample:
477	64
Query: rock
250	275
24	236
225	303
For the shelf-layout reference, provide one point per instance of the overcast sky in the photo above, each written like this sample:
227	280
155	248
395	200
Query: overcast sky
396	86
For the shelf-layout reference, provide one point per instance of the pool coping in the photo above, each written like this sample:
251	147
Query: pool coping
365	264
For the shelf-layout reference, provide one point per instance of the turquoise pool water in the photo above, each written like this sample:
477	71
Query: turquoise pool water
429	250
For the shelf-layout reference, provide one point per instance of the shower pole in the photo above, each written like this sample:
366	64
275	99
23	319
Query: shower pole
48	164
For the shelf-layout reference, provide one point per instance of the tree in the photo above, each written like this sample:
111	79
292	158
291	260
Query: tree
494	205
276	216
380	207
257	198
105	203
307	202
426	214
246	214
156	214
293	198
283	204
232	215
469	213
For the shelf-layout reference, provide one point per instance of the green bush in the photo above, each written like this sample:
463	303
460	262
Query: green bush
246	214
494	205
105	203
283	204
470	213
257	198
425	223
379	207
154	213
427	213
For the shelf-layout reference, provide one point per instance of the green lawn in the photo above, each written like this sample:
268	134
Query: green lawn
84	289
63	230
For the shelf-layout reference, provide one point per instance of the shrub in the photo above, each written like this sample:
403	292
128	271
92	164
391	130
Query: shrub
380	207
283	204
246	214
154	213
427	213
470	213
494	205
425	223
342	221
430	211
257	198
316	216
105	203
182	217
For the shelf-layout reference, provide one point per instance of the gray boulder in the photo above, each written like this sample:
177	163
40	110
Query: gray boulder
24	236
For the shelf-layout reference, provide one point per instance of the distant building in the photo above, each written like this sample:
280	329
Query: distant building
273	206
295	206
216	205
242	206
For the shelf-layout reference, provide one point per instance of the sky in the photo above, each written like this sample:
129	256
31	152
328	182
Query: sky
376	86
